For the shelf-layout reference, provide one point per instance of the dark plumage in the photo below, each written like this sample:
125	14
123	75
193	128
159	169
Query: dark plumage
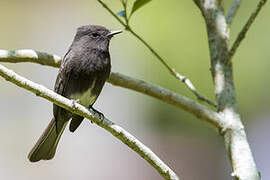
82	75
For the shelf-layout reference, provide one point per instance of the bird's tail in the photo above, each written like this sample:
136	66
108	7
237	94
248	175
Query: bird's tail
46	145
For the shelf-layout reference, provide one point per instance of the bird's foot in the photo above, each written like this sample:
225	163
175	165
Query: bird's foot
100	115
75	101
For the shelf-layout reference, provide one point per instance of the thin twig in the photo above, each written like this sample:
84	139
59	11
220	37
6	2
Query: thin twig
125	81
177	75
124	3
111	12
191	87
105	123
232	12
244	30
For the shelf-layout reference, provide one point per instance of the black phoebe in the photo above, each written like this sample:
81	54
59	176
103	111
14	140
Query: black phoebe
82	74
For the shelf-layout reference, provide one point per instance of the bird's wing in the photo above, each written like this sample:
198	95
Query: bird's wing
60	86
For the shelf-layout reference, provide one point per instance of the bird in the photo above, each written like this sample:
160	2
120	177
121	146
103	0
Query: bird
81	77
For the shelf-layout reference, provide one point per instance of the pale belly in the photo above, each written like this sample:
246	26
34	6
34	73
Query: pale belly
86	99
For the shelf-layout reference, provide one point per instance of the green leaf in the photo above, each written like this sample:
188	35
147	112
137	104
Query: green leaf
138	4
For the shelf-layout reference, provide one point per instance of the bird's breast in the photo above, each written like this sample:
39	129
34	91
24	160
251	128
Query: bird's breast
87	97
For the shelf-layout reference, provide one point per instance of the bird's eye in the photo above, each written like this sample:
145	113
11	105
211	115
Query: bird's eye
95	35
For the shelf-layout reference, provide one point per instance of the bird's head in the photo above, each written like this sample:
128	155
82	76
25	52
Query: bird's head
94	36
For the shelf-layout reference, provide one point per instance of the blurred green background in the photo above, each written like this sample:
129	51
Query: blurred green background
177	31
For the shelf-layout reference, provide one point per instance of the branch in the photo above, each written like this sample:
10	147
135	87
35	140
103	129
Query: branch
237	147
244	30
28	55
118	79
232	12
105	123
169	97
177	75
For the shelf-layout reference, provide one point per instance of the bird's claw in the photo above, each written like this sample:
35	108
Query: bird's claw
100	115
74	101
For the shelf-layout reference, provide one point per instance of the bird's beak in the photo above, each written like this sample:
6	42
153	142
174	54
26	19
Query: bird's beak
112	33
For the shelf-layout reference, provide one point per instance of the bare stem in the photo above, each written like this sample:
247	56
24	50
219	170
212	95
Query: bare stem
244	30
169	97
105	123
177	75
29	55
